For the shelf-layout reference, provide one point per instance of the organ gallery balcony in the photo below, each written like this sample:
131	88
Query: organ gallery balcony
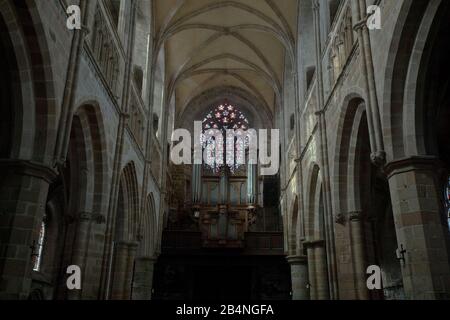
253	243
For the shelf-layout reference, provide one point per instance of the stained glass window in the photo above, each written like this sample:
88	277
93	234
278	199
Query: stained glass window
447	200
39	247
215	125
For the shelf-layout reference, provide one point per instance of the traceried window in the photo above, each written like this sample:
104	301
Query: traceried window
221	119
447	200
39	248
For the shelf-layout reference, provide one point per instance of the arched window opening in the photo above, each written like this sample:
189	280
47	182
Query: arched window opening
220	119
39	248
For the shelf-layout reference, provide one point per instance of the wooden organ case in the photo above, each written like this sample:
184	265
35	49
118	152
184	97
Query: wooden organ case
224	204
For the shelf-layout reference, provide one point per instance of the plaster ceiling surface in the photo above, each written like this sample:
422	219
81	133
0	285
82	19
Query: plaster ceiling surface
220	43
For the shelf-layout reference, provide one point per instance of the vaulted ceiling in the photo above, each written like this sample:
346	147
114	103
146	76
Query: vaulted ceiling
219	43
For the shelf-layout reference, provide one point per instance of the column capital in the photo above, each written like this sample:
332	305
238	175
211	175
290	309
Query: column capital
315	5
414	163
378	158
314	243
360	25
340	218
355	215
29	168
297	259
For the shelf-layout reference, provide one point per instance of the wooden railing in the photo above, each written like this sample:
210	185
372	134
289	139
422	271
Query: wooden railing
189	242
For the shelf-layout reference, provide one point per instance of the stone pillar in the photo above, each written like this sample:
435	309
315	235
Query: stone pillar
120	268
324	154
299	277
23	195
358	254
115	181
79	250
359	14
131	256
143	278
323	291
318	270
420	226
311	271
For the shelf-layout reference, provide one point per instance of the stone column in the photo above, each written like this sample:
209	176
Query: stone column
119	271
420	226
299	277
143	278
358	254
378	155
324	155
323	291
23	195
129	273
318	270
311	271
116	170
79	250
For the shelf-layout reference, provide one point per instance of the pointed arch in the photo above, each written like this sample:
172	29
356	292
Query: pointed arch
402	108
353	104
127	228
35	105
314	227
148	225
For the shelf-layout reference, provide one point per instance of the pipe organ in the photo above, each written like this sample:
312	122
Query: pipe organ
224	204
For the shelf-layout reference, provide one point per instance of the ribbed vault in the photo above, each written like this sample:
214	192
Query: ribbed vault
216	43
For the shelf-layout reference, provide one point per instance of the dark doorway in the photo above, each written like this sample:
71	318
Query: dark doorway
218	283
221	278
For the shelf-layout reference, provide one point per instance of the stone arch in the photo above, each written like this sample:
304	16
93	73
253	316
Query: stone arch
433	98
417	114
358	153
142	282
316	241
148	225
128	184
126	234
364	204
351	244
76	199
314	185
353	104
35	109
402	109
247	102
93	120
